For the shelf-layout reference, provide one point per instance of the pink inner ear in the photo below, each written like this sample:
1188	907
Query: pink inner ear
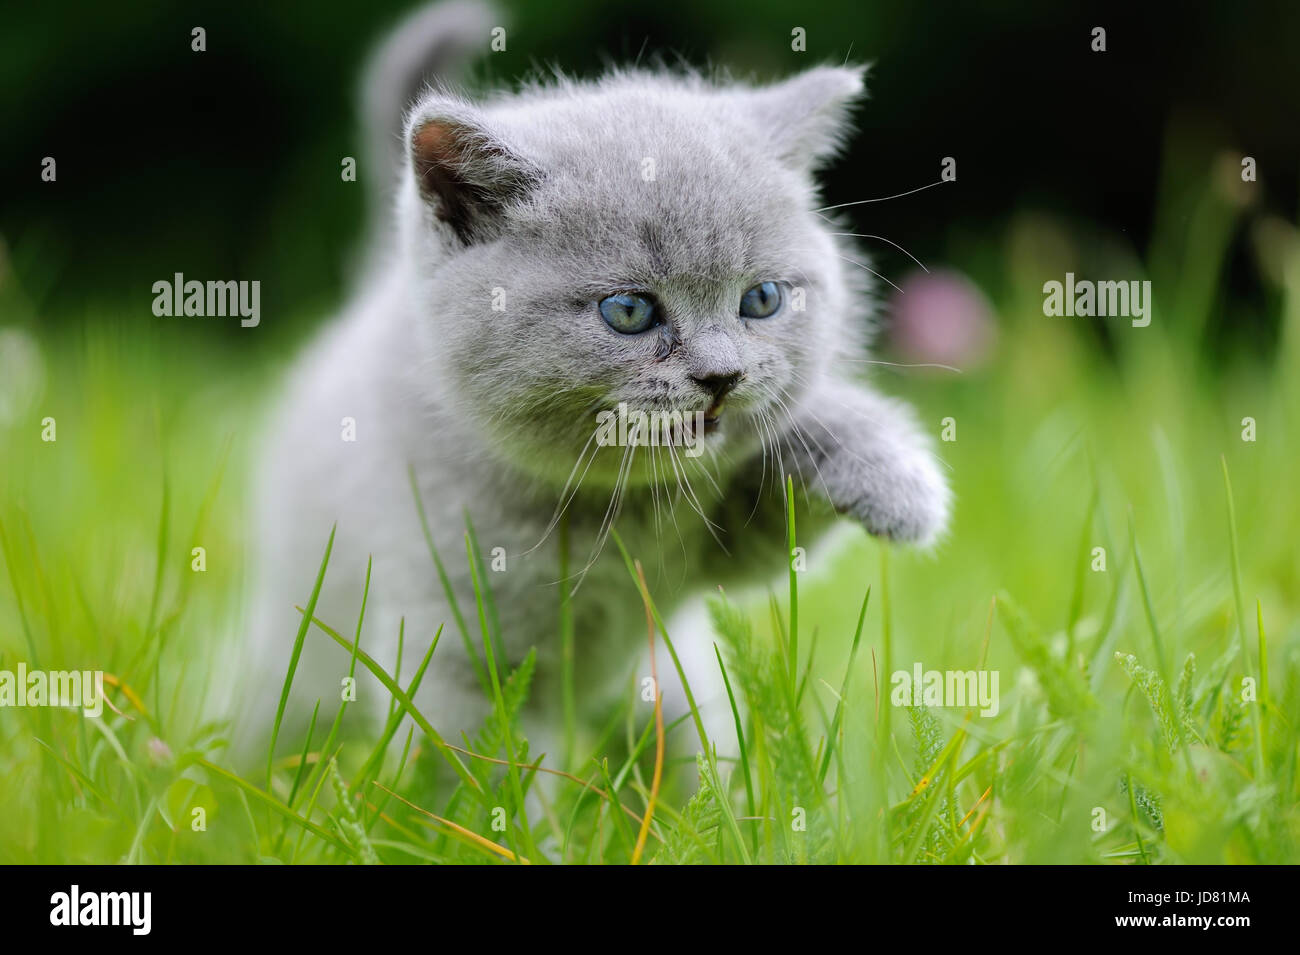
435	143
437	151
437	154
463	173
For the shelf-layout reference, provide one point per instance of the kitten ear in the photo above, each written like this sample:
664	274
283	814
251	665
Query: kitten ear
462	169
810	112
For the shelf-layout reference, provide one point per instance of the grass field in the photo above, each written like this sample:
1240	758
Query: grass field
1148	710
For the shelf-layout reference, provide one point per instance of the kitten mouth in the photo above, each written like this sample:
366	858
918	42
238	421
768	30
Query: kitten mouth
702	422
697	424
712	415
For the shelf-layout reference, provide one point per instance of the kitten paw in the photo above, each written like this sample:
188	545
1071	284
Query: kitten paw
905	499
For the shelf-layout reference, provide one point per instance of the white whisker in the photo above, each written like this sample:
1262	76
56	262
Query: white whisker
861	235
863	202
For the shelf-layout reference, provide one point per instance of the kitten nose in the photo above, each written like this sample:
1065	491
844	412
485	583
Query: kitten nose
718	384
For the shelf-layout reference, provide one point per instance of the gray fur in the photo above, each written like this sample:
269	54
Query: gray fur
493	409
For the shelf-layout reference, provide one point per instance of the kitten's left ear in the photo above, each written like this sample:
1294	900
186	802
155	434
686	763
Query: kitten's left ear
463	169
810	112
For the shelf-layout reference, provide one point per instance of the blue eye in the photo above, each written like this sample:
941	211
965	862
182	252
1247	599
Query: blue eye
628	312
761	301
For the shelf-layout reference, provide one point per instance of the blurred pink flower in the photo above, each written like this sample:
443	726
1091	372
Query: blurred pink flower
159	752
941	318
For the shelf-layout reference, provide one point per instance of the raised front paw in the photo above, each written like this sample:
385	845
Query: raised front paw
899	494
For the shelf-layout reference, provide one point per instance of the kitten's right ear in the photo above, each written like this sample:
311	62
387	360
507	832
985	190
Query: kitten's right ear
810	112
463	170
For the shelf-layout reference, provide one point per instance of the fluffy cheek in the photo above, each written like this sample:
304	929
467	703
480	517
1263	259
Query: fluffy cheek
810	342
543	374
778	369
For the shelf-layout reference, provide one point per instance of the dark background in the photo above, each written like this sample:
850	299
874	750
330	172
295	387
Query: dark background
226	162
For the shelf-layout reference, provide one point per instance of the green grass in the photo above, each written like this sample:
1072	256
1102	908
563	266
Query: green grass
1123	736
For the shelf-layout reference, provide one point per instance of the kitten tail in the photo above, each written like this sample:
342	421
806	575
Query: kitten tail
431	47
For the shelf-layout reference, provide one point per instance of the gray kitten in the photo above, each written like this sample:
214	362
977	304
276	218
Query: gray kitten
646	243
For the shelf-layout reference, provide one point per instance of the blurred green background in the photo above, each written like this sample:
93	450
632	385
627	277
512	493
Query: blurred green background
1070	433
226	162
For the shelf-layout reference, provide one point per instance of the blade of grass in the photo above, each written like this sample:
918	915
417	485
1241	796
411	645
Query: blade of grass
844	690
663	630
78	773
659	723
620	824
489	599
1265	703
397	778
302	760
498	699
883	727
333	734
1080	575
364	658
394	720
160	557
457	831
794	585
744	751
273	804
1241	618
808	667
1159	645
1137	824
461	626
923	824
297	652
567	694
1156	641
12	566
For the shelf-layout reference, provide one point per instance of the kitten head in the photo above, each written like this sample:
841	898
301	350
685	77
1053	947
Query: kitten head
647	243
